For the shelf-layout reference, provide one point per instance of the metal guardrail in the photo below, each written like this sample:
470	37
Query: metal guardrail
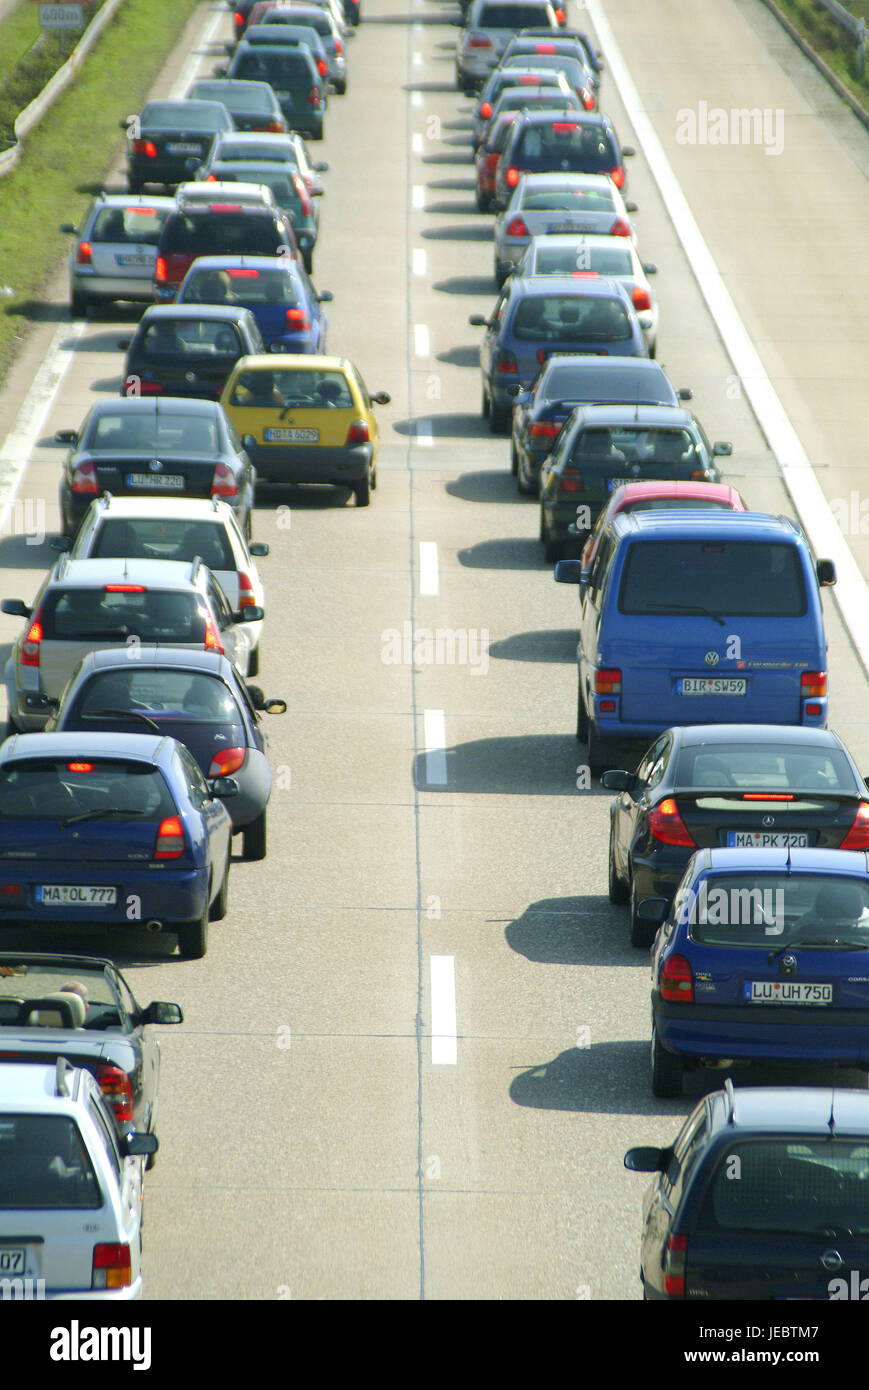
33	114
855	27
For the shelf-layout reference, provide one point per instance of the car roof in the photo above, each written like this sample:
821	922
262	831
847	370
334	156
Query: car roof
569	180
598	364
617	243
801	1109
702	525
292	362
847	862
166	405
144	748
236	83
645	416
213	509
282	264
536	286
154	574
574	117
33	1083
227	313
113	658
693	735
184	104
130	200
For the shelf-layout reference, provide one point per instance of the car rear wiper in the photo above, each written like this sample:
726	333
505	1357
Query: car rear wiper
123	714
816	941
103	811
684	608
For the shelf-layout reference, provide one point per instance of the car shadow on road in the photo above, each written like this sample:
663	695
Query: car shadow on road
605	1078
128	948
457	185
314	498
488	485
511	553
108	341
467	284
556	646
37	311
455	158
429	87
460	232
453	208
460	357
582	930
446	426
29	548
523	765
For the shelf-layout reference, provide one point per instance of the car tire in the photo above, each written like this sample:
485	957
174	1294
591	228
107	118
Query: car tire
341	88
499	419
374	479
668	1071
598	758
522	487
485	404
193	937
581	716
218	908
362	491
514	459
253	662
618	891
253	839
552	548
500	276
484	202
641	933
78	305
308	263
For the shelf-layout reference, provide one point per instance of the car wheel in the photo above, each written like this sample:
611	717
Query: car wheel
217	910
341	88
253	662
308	262
78	305
486	405
500	276
149	1164
374	479
362	489
499	418
253	839
581	716
522	486
193	937
618	891
514	459
641	933
552	548
598	759
653	349
668	1071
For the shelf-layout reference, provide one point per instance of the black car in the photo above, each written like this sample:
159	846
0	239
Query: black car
565	381
711	786
170	139
194	696
188	349
81	1008
252	105
578	142
764	1196
131	447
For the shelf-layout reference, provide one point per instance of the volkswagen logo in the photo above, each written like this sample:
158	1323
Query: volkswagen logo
155	466
189	376
711	658
767	822
788	965
831	1259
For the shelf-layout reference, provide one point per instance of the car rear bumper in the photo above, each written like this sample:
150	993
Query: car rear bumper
109	287
130	1293
311	464
155	893
764	1032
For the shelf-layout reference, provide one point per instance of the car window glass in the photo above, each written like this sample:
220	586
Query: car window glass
789	1184
159	693
197	787
105	1135
182	116
57	789
131	225
741	578
766	767
191	338
144	432
763	909
686	1151
155	538
569	318
652	759
44	1164
217	599
157	615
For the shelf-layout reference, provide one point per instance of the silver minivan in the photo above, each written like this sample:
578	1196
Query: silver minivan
489	25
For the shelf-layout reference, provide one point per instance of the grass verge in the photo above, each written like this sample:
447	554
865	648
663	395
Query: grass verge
18	32
830	42
66	157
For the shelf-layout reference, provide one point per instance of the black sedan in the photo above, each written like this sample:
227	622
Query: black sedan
194	696
188	349
81	1008
142	446
252	105
728	785
168	141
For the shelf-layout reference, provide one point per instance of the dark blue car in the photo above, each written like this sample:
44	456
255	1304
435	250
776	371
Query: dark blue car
120	829
763	957
555	313
275	289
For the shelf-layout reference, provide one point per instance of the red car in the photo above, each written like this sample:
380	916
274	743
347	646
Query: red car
672	496
218	229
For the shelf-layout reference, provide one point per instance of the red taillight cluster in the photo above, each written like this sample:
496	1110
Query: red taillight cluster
620	228
587	99
479	41
517	228
641	299
358	433
506	363
322	67
674	1266
227	761
618	175
297	321
223	484
170	839
813	687
486	110
212	636
246	596
112	1268
571	481
543	429
84	479
314	97
676	980
511	177
160	270
84	255
858	834
273	128
608	681
115	1086
30	645
145	147
302	195
667	826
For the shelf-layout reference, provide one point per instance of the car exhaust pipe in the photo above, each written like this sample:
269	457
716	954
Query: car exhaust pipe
153	925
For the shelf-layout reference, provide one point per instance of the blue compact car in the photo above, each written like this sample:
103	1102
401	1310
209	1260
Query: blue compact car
112	828
537	317
763	957
275	289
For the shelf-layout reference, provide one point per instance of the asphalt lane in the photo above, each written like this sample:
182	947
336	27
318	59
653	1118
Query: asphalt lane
310	1145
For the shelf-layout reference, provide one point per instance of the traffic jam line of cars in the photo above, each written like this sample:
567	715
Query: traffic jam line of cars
739	842
135	747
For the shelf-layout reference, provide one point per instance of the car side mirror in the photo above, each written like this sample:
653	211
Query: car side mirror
326	297
685	393
631	207
15	608
61	543
221	70
137	1145
317	192
65	437
520	396
650	268
249	442
223	786
275	706
647	1160
321	167
67	227
159	1012
722	448
381	398
826	572
253	614
478	321
568	572
617	780
653	910
258	548
628	151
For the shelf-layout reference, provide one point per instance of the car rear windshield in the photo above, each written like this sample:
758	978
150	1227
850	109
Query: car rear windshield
565	145
245	99
152	433
100	615
797	1184
188	696
277	178
625	444
241	150
62	788
772	767
247	285
305	18
594	383
772	910
562	318
44	1165
516	100
190	338
568	200
305	388
761	579
289	68
207	233
181	116
511	16
565	260
123	226
515	77
163	538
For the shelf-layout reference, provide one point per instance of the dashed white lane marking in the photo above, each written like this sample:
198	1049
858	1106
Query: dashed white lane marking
421	343
416	145
428	567
416	60
416	98
434	735
423	434
444	1041
417	196
30	421
418	261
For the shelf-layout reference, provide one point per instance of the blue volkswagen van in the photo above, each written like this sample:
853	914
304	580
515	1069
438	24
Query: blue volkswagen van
697	618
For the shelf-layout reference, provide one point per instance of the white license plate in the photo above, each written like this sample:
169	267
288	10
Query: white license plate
281	96
711	685
162	482
134	260
13	1260
787	992
763	839
556	227
291	436
75	895
183	149
613	483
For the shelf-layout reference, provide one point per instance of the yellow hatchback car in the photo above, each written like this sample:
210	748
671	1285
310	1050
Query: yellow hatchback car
306	420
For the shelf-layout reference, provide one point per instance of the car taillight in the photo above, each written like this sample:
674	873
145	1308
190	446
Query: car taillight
571	480
112	1267
150	388
560	16
212	636
314	97
544	48
490	163
479	41
339	48
145	147
608	681
322	67
517	228
160	272
227	761
223	484
30	645
641	299
543	429
84	479
511	177
84	255
170	839
246	596
273	128
587	99
676	982
618	175
813	684
674	1266
620	228
505	363
486	110
125	589
858	835
297	320
238	19
302	195
667	826
115	1086
358	433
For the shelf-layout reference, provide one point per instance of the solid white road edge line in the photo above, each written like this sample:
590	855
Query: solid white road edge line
444	1043
187	75
30	421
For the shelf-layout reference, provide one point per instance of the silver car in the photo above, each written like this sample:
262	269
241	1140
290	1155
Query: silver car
115	250
70	1188
532	99
613	256
544	204
517	77
489	25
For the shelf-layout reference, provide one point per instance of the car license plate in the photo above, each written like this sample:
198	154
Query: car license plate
762	839
134	260
613	483
160	482
711	685
291	436
281	95
182	148
75	895
787	992
578	226
13	1260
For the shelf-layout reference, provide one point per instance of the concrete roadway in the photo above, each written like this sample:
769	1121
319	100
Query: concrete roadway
310	1146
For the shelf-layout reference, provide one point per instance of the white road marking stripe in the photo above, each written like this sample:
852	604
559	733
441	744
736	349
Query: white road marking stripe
30	421
419	261
416	145
424	434
187	75
444	1041
428	567
434	733
417	196
416	98
806	493
416	60
421	344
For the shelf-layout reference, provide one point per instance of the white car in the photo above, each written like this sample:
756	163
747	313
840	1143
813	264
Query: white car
70	1188
139	528
613	256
